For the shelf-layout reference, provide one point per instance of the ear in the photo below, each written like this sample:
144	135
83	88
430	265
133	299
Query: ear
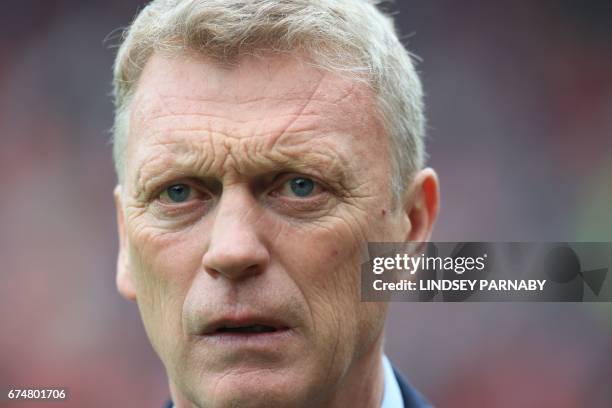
125	283
422	204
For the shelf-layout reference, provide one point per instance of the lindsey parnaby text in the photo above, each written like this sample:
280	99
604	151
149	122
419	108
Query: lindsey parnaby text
471	285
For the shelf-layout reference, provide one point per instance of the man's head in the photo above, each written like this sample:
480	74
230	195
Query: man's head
259	146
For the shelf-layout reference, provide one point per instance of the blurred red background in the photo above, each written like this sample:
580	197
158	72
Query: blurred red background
519	103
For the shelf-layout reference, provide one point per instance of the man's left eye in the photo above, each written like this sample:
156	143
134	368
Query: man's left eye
301	187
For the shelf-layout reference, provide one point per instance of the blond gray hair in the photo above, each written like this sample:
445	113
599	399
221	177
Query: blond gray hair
349	37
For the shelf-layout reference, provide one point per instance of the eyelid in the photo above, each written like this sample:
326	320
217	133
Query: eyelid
284	177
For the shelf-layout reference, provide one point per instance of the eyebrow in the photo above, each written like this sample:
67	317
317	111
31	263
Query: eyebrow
328	165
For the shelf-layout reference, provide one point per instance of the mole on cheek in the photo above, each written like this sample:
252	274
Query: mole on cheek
383	212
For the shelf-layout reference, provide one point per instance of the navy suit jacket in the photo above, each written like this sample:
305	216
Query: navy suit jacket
412	398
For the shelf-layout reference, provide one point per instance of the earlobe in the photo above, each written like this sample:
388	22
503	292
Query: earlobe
422	205
124	281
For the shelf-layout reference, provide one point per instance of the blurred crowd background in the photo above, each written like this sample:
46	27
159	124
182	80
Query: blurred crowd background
519	97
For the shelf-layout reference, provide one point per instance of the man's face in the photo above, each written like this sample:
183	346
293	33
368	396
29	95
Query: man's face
249	193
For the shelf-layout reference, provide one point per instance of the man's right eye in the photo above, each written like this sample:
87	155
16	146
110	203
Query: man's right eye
178	193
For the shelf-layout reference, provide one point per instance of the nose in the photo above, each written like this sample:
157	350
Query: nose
235	249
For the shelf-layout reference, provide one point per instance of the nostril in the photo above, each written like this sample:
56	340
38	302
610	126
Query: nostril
253	268
212	272
235	264
235	249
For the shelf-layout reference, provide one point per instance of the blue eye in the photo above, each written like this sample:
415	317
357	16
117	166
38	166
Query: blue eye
301	187
178	193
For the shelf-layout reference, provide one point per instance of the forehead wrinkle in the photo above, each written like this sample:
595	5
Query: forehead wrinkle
181	156
228	148
201	107
157	103
161	106
205	113
309	151
227	123
248	156
190	101
214	124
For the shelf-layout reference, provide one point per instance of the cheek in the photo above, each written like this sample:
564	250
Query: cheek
324	262
162	265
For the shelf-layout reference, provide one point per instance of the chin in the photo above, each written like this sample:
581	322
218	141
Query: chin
254	388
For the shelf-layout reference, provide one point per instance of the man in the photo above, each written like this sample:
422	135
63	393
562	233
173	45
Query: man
259	146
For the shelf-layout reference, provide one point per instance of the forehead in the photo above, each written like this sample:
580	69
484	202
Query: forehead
243	91
273	97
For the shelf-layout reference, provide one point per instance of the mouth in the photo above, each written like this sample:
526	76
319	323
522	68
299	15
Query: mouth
244	327
256	334
249	329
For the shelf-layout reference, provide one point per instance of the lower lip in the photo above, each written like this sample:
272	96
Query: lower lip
233	339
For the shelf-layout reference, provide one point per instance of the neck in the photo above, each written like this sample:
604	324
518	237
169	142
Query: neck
363	385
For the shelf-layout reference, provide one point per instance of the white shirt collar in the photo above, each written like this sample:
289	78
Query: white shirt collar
392	395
